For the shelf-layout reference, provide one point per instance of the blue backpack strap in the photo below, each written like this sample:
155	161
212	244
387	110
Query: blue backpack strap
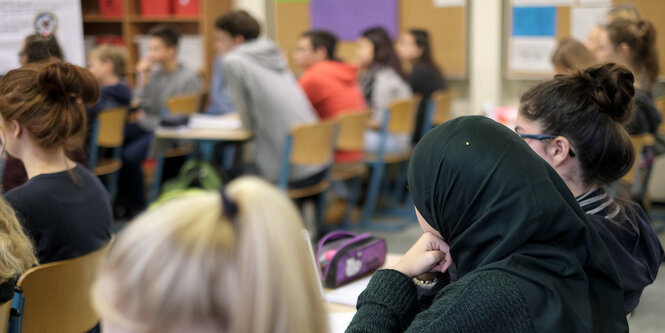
16	314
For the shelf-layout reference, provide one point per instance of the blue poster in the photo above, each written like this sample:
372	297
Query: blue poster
534	21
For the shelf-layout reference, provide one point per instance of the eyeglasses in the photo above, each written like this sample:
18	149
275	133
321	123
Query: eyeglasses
537	136
541	137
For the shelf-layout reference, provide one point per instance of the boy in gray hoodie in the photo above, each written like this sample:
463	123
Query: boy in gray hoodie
265	93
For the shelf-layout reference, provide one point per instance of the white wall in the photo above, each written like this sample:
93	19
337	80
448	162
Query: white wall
260	9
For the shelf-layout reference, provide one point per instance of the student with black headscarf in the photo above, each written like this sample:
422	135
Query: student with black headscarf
576	123
526	256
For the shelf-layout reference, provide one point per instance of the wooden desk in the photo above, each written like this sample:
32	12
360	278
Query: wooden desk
204	136
391	260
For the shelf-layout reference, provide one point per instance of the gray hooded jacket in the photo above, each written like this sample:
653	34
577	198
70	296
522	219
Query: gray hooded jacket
269	102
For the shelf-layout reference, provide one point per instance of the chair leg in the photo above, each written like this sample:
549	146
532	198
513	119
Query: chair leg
398	191
227	157
318	215
372	193
352	200
207	149
113	186
157	179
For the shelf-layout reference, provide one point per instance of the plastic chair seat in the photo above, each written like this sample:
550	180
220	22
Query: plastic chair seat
107	166
309	191
344	171
182	150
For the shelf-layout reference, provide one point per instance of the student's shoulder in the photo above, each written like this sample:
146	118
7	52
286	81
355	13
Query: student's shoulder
493	294
487	289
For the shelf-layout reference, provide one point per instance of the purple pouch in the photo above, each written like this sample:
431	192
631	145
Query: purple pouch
344	256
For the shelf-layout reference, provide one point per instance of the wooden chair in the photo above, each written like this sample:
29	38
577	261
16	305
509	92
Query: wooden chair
399	119
5	310
311	144
351	137
185	104
109	132
442	101
55	297
637	177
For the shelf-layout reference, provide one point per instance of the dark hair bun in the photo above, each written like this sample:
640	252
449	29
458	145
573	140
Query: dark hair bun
66	82
613	89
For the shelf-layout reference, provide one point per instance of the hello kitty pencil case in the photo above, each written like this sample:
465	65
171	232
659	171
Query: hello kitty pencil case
344	256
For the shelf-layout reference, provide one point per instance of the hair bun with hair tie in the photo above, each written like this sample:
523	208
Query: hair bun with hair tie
613	89
229	206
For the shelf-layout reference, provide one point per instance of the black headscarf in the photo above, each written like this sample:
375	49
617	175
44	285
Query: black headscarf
500	206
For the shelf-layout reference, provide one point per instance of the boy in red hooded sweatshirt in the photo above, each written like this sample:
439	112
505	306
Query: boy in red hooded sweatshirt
330	85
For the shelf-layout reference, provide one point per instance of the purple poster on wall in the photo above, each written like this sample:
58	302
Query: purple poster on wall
348	18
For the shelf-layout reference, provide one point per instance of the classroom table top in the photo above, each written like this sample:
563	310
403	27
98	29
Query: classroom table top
391	260
215	134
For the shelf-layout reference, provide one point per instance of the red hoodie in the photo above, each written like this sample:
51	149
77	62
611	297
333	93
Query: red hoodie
332	88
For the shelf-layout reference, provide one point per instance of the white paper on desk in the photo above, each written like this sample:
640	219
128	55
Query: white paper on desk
348	294
206	121
582	20
338	322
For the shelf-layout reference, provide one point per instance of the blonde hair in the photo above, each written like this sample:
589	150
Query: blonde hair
17	254
117	55
186	263
572	55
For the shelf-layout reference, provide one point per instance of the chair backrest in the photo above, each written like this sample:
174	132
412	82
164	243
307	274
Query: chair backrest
5	309
352	127
403	115
639	142
111	127
660	105
57	295
442	100
185	104
313	144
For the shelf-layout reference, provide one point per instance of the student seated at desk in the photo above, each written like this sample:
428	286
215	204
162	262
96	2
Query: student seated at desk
527	259
265	94
170	79
63	207
234	261
383	81
107	63
331	85
574	122
633	44
413	48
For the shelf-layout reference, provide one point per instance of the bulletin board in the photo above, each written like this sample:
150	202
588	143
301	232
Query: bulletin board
533	28
445	20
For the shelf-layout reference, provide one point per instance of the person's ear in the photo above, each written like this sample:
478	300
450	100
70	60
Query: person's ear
321	53
624	51
558	150
16	129
239	39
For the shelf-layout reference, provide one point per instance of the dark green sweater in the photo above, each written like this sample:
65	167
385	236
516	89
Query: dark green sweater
486	301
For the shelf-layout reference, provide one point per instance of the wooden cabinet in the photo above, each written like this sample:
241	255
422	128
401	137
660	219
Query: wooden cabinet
132	24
